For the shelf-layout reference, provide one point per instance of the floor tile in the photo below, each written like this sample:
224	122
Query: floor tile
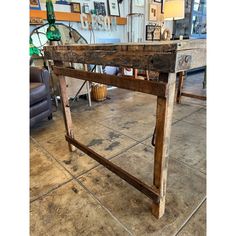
47	129
187	144
197	118
45	173
184	110
185	190
104	141
136	125
70	210
197	224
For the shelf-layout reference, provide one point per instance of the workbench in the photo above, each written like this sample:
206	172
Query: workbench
166	57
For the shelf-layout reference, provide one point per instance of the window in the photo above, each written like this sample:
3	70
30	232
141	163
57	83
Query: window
198	26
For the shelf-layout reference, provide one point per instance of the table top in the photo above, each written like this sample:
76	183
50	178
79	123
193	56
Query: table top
147	46
166	56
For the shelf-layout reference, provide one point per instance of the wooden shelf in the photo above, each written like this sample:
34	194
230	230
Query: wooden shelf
69	16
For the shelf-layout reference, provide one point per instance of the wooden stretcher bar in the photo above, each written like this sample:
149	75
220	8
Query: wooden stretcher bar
125	82
141	186
190	95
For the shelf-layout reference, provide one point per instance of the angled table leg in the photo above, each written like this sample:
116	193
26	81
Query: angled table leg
66	109
65	106
162	139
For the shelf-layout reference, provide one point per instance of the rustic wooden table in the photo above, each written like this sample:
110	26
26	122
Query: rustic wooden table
168	58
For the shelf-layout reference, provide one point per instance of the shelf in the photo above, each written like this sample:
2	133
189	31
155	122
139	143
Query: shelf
68	16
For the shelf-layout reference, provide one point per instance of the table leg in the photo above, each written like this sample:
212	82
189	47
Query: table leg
162	139
66	109
180	86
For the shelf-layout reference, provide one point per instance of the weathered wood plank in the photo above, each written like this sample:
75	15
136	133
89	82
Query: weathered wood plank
161	46
168	56
162	140
139	185
180	86
65	105
193	96
125	82
147	61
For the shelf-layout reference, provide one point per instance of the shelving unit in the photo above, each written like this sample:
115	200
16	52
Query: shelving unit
69	16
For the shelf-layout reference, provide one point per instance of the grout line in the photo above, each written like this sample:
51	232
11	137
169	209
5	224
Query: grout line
104	207
190	216
187	122
188	166
186	116
51	190
118	131
175	159
109	158
84	187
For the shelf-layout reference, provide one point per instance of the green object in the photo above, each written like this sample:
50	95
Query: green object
53	34
33	49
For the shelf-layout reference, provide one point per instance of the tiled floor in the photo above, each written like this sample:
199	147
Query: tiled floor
71	194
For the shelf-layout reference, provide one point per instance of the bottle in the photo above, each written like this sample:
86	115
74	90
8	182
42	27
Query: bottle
53	34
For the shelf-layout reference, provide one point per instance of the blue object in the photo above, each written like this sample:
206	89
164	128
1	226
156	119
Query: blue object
64	2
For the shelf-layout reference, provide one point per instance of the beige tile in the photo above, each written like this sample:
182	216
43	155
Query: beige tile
185	190
75	162
148	142
104	141
48	129
136	125
187	144
197	224
120	102
45	173
139	121
197	118
70	210
183	110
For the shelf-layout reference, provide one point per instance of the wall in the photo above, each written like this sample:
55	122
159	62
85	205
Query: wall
145	10
120	33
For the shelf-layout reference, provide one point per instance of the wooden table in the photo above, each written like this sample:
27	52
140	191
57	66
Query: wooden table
168	58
